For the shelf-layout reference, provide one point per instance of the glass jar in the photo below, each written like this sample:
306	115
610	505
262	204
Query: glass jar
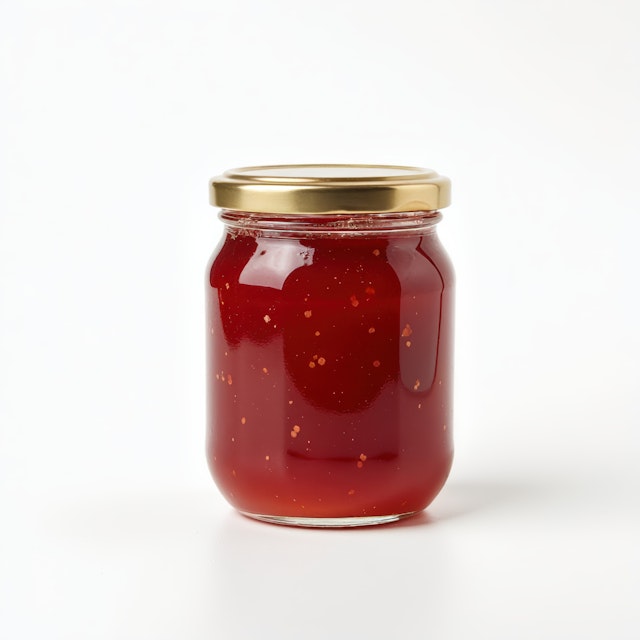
329	343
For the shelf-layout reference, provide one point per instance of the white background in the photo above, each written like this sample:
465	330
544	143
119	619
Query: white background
113	115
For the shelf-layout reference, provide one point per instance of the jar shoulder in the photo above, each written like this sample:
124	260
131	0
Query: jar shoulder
272	261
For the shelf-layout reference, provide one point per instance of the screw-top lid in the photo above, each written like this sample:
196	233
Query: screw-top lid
330	188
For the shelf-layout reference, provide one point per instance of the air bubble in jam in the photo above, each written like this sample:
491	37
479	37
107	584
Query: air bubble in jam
355	421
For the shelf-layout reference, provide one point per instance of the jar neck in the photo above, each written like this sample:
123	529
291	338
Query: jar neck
338	224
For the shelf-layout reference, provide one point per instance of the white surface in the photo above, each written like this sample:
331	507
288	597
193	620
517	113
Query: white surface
492	560
112	118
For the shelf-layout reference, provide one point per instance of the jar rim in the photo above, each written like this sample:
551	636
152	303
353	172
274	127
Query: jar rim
330	188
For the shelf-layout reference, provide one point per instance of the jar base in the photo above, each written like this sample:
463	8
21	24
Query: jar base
329	523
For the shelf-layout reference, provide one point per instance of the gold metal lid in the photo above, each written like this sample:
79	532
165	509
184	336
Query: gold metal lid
330	188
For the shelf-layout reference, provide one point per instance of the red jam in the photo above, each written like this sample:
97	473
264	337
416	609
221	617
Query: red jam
329	367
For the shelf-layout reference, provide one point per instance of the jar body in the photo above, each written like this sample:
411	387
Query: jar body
329	366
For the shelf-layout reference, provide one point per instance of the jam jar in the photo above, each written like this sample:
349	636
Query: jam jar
329	325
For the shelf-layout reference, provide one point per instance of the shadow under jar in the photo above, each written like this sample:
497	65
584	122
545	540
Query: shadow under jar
329	343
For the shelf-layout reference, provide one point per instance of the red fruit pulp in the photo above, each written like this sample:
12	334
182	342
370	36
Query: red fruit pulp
330	372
